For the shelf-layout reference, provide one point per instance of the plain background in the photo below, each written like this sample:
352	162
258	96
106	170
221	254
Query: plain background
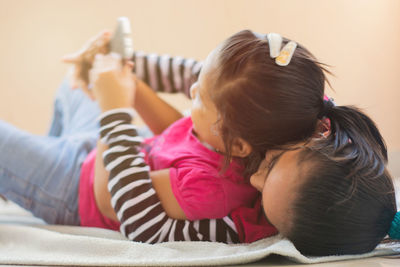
360	39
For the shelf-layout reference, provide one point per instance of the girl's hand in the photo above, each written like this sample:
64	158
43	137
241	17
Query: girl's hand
83	60
114	84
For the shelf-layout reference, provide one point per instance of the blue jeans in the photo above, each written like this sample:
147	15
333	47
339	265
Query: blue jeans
41	173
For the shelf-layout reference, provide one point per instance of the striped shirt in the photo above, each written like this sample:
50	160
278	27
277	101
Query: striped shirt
165	73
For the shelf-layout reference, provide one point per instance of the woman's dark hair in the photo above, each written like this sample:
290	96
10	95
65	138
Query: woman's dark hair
347	202
265	104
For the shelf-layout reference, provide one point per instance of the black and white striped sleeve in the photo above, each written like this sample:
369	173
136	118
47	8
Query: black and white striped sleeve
133	197
164	73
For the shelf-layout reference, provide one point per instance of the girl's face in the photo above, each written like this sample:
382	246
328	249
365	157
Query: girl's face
204	113
278	179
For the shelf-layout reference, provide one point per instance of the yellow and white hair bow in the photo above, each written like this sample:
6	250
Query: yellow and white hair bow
284	55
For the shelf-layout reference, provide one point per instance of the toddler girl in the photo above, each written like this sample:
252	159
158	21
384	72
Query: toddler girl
237	100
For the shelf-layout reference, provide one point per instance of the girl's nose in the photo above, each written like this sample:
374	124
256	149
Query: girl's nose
257	180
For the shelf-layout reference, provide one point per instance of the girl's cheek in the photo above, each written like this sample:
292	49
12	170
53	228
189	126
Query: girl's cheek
193	90
197	103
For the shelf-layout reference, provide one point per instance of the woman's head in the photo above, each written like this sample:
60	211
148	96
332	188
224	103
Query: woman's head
258	104
331	195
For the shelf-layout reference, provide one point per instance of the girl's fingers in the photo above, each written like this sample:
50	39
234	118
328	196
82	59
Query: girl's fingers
110	62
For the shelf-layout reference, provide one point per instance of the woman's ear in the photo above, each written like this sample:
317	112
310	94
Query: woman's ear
241	148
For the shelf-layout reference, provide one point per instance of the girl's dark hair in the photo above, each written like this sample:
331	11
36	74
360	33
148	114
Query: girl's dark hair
265	104
347	202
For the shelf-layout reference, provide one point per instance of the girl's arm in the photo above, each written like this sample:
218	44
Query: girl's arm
163	74
155	112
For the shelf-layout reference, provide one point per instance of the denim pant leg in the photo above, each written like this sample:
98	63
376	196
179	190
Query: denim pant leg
74	113
41	173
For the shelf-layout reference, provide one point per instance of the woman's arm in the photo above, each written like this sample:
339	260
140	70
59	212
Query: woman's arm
165	73
133	197
115	89
159	179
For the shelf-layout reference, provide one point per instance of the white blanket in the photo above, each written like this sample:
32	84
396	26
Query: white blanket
65	245
26	241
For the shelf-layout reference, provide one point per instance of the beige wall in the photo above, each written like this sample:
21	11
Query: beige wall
359	38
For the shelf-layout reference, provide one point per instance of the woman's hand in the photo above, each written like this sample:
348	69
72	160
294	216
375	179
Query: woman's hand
114	84
83	60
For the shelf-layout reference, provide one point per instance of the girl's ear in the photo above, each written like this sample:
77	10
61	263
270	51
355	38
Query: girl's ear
241	148
323	128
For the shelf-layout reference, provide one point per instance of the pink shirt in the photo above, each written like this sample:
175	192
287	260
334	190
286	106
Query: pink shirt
199	187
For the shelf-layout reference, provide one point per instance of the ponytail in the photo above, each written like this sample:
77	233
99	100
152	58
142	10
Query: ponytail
354	136
349	124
